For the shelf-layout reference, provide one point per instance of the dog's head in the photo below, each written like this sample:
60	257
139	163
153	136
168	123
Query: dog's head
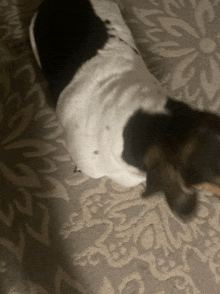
187	155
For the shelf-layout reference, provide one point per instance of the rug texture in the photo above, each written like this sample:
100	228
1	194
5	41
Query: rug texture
64	233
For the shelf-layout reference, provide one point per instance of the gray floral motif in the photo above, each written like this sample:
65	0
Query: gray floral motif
194	42
133	221
20	173
115	241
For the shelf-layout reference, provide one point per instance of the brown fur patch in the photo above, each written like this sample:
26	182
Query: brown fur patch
153	156
208	187
187	150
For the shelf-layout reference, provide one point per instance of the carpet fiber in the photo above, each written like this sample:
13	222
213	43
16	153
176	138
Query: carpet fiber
62	232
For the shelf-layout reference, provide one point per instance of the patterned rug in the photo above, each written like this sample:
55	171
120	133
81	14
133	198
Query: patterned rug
62	232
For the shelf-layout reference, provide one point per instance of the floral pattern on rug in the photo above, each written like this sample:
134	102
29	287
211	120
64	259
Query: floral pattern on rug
62	232
186	33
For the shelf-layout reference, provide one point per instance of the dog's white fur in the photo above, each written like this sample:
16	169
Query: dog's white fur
100	99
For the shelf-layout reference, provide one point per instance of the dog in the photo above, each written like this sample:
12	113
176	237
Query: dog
117	119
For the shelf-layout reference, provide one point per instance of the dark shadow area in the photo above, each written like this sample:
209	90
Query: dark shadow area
25	260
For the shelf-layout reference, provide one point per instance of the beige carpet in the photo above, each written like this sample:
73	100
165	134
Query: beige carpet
64	233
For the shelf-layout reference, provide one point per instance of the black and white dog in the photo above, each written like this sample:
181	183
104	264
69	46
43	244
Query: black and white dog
118	121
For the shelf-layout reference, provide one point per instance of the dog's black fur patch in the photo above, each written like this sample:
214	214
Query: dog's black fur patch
67	34
143	130
178	150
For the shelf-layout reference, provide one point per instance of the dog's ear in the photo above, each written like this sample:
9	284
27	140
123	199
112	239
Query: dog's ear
181	199
162	176
153	161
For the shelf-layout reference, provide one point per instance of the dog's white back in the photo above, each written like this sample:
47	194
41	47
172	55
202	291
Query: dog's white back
104	93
